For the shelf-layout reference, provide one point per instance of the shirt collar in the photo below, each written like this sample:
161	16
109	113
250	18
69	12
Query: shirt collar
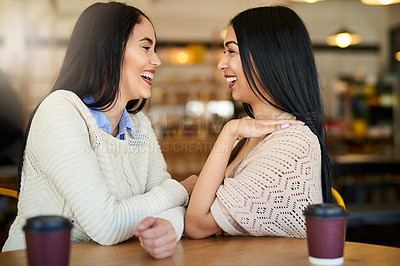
104	123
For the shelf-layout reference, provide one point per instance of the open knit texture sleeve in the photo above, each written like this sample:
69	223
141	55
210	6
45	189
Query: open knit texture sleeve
271	186
60	150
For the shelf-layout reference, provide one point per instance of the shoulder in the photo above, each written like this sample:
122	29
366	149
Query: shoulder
62	95
65	106
296	133
294	137
63	99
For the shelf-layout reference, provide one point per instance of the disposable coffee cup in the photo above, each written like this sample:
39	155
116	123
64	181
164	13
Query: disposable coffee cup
326	232
48	240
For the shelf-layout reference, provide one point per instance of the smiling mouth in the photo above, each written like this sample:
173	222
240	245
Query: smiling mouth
231	80
147	77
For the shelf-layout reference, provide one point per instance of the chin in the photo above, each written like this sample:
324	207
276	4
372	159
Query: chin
146	94
236	97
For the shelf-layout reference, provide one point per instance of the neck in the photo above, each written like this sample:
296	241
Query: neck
266	111
114	116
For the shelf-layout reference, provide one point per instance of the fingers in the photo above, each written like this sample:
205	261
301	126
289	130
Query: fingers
158	249
262	127
281	121
274	125
158	239
250	128
161	252
160	229
280	124
146	223
285	125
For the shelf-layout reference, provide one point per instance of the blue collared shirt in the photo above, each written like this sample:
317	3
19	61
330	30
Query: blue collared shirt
104	124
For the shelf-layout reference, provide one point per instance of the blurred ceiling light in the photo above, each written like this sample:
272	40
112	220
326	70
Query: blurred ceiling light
221	108
179	55
307	1
196	52
397	56
182	57
380	2
195	108
343	39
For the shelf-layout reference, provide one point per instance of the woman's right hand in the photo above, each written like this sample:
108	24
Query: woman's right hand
157	236
252	128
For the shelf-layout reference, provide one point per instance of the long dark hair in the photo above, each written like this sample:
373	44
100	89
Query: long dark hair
92	63
276	53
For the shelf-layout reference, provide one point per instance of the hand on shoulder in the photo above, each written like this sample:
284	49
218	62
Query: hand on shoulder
252	128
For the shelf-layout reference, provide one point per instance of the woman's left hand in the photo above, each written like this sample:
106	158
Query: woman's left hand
251	128
157	236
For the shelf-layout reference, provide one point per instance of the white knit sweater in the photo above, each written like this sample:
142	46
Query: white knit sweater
106	186
268	190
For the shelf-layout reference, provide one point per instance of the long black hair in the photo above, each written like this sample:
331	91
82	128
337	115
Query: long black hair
278	62
92	63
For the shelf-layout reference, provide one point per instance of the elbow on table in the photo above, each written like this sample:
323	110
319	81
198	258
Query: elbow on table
103	242
107	241
194	228
192	232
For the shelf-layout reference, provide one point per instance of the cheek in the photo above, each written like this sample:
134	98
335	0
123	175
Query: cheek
131	61
236	65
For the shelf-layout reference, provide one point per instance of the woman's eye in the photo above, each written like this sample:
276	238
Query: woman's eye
230	51
147	48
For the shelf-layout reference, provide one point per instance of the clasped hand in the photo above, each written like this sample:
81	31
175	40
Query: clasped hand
157	236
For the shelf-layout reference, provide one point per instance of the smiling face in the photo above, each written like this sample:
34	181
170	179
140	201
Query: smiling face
231	65
139	63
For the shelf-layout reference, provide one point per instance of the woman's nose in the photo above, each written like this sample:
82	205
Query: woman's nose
222	65
155	60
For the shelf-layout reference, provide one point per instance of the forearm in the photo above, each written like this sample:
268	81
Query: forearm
199	221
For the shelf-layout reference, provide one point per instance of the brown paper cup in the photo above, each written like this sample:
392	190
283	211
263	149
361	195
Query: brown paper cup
326	231
48	240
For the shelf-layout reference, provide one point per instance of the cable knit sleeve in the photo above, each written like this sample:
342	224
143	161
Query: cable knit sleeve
272	186
157	166
158	174
60	139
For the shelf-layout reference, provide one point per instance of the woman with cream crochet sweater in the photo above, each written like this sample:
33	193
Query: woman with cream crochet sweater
278	166
86	157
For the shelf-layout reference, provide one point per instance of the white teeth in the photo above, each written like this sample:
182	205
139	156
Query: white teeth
147	75
231	79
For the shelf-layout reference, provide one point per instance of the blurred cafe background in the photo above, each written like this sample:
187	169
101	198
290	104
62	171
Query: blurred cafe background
359	76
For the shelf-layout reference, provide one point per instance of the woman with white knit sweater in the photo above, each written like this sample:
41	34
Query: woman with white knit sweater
278	166
90	154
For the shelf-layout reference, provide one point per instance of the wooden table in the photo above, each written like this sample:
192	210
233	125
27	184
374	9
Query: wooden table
220	250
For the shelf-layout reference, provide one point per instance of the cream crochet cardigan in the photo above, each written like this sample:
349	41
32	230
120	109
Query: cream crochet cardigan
106	186
267	192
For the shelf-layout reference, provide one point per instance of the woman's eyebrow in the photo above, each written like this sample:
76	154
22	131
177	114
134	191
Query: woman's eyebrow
231	42
147	39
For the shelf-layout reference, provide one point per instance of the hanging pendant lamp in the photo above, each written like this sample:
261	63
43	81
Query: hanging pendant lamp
307	1
343	38
380	2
